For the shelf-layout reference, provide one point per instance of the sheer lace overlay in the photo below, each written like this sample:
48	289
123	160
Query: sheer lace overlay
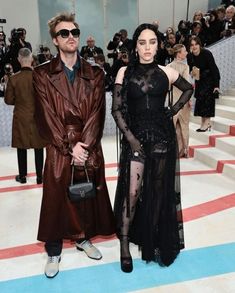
147	204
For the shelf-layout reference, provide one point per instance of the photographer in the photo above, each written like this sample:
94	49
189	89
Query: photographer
182	35
127	43
120	43
3	46
213	27
167	51
3	51
17	41
115	45
122	60
44	54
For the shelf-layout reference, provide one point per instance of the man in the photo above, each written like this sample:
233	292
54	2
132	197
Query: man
126	43
90	51
22	37
229	22
17	41
44	54
70	101
19	92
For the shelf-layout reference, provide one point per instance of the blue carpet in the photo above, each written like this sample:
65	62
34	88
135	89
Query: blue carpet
190	265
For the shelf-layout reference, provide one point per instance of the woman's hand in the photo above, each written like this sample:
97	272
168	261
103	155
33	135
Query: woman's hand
216	89
137	148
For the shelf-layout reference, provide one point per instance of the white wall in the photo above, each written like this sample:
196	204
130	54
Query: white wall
168	12
21	13
25	13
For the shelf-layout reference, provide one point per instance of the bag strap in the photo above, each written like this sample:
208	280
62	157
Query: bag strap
72	175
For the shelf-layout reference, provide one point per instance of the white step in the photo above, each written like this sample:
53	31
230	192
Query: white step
222	124
226	101
211	156
226	144
225	111
224	149
218	123
203	137
231	92
229	170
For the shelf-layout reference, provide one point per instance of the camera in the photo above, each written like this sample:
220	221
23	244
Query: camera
184	27
207	17
124	54
117	38
16	35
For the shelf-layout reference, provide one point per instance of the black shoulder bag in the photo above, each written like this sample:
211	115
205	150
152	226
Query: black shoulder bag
81	191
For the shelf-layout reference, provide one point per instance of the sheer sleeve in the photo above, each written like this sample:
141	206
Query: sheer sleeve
187	91
119	112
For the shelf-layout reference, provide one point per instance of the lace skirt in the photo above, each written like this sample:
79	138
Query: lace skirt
157	227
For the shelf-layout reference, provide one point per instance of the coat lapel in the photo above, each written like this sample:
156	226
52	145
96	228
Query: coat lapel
59	80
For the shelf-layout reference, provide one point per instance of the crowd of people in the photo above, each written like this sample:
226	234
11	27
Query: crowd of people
60	103
210	27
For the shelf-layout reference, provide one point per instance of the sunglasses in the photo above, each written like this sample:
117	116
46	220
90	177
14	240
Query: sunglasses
64	33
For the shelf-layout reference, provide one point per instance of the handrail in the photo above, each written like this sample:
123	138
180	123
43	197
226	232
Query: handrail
223	52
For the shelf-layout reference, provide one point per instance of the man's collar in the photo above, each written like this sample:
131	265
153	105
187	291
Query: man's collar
56	66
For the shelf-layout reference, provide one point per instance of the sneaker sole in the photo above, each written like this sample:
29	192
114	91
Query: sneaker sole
51	277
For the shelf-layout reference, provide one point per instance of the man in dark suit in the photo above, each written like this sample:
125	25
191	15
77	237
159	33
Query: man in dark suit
19	92
90	51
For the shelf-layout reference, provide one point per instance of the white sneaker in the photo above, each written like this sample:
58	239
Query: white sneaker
90	250
52	266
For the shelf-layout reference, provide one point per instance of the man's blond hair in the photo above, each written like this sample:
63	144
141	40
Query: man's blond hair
64	16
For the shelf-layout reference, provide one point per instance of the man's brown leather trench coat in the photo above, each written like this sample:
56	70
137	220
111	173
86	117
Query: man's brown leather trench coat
66	114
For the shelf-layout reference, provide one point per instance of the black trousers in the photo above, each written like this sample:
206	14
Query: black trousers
54	248
22	161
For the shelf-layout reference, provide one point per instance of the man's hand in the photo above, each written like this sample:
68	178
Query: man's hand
80	154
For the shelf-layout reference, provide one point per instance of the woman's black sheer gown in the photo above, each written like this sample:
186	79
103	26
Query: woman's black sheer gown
147	204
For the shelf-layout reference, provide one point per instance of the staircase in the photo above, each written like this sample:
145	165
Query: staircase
216	148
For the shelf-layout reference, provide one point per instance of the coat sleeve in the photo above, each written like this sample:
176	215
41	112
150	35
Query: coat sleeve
49	124
9	96
93	128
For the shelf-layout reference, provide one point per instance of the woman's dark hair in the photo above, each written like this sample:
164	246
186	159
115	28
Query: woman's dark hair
134	58
214	13
196	23
139	30
197	41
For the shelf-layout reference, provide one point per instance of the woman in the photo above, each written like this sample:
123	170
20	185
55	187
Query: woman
198	15
213	28
181	120
148	187
206	73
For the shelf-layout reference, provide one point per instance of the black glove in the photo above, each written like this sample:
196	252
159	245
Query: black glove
169	112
